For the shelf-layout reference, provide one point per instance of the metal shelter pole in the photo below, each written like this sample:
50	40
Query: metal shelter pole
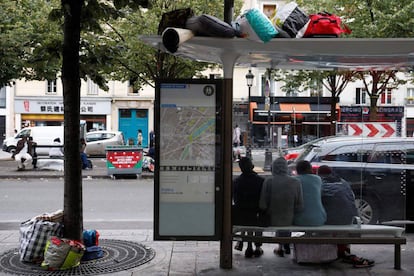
226	242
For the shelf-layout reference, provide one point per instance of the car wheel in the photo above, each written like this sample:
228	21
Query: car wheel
11	149
368	209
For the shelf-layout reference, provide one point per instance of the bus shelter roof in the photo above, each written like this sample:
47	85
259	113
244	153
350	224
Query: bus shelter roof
307	53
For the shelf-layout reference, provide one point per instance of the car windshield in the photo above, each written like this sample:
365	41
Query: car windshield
306	152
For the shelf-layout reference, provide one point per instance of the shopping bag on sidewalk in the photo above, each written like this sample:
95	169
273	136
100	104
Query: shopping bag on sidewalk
34	234
62	254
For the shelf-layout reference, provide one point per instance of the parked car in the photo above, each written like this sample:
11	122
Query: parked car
380	171
97	141
292	153
42	135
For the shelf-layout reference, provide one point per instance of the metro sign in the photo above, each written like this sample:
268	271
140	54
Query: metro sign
372	129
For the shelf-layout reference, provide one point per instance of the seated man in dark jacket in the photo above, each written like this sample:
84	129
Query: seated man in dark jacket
338	200
246	195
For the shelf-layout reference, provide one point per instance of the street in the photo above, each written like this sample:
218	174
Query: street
107	203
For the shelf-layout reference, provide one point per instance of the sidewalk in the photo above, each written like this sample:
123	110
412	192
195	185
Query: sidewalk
203	257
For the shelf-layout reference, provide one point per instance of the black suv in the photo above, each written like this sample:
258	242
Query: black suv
380	171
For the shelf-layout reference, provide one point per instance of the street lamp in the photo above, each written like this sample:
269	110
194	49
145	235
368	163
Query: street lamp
249	81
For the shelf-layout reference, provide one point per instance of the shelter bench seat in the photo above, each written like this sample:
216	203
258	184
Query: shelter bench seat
328	234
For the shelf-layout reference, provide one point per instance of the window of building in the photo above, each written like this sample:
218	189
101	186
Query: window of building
141	113
93	88
51	87
131	88
3	97
386	97
125	113
410	93
361	96
269	10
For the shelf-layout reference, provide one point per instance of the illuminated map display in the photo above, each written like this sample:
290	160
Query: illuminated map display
186	182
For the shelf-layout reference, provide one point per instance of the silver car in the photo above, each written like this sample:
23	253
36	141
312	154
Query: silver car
96	141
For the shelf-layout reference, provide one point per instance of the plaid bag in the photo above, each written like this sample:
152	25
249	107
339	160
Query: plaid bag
34	234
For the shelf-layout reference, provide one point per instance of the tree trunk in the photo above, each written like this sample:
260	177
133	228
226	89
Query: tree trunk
333	117
73	213
373	108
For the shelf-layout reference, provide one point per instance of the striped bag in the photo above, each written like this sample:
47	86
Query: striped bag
34	234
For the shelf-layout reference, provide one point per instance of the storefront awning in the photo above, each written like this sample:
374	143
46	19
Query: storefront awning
290	108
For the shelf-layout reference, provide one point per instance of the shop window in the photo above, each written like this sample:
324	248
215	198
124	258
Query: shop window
386	97
3	97
361	96
51	87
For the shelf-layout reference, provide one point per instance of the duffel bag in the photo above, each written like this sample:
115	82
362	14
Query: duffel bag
325	24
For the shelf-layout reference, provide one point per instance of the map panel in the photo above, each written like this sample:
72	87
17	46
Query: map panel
187	136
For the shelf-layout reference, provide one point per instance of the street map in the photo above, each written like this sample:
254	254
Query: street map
187	136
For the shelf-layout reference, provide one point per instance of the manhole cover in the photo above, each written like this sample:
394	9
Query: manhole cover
118	256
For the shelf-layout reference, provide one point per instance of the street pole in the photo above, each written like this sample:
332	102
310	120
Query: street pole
249	80
268	153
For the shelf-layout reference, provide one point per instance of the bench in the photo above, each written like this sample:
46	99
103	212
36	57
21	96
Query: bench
328	234
46	162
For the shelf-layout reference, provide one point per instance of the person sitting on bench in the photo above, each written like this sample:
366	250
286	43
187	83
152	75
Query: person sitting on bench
246	195
56	152
338	200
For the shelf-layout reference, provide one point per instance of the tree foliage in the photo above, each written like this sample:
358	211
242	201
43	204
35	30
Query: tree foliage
28	41
142	64
110	48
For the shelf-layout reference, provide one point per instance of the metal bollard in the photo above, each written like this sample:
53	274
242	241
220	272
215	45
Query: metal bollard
268	160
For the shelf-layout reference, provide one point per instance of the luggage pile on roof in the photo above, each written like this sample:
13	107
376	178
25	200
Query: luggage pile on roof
290	21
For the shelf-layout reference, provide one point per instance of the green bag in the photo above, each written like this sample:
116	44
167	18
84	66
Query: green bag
62	254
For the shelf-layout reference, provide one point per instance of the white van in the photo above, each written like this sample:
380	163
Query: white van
42	135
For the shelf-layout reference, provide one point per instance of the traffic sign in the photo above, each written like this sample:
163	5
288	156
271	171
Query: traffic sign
377	129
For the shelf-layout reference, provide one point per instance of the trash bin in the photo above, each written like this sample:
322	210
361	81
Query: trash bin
124	160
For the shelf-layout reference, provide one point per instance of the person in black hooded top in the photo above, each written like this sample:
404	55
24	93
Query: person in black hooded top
246	195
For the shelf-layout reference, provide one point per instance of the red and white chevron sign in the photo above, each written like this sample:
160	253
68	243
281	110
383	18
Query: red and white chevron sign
372	129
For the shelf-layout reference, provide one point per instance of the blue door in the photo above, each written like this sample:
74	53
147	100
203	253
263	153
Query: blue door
130	121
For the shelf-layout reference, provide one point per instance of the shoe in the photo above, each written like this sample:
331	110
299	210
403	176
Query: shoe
279	252
249	252
258	252
239	246
358	262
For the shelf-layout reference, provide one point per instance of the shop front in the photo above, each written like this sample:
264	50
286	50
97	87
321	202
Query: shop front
297	119
37	111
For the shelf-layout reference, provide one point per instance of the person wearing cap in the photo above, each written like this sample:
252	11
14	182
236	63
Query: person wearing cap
246	195
282	198
338	200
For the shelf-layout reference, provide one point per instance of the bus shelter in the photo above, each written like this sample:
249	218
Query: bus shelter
307	54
